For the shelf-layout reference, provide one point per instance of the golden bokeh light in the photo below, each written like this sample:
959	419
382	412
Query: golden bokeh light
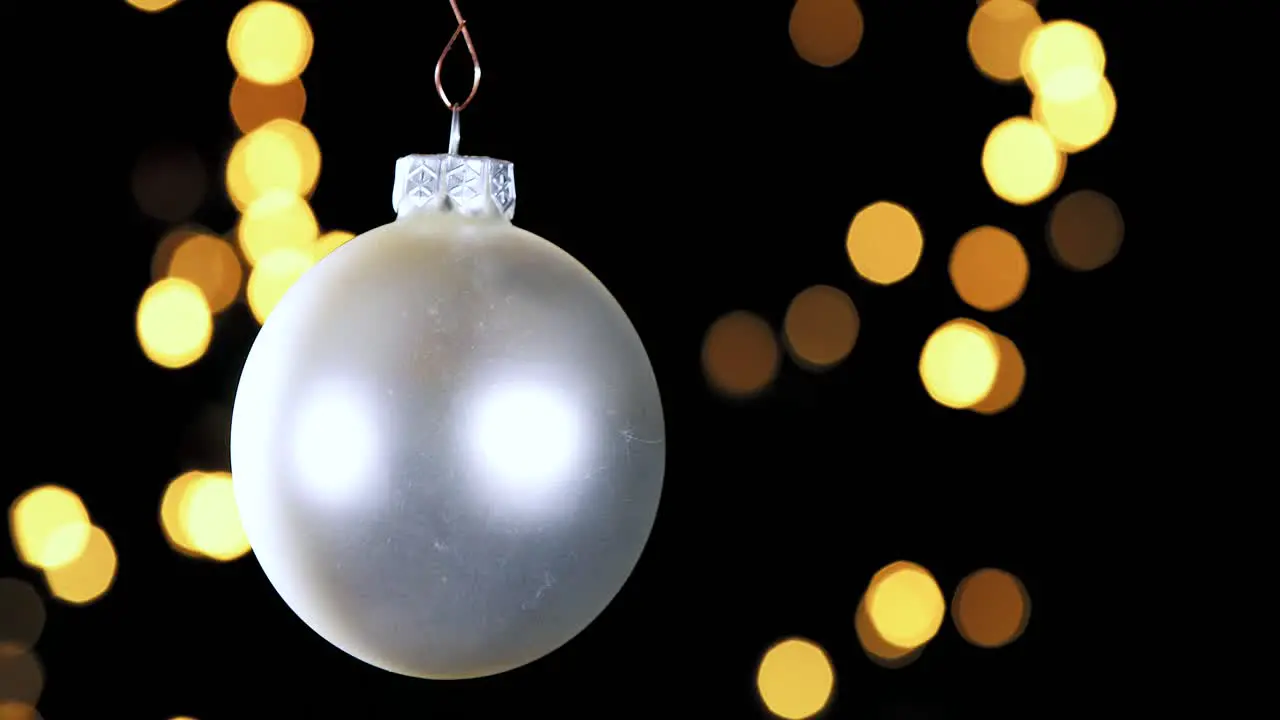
1085	230
272	277
254	105
1078	124
989	268
795	679
50	526
210	263
879	650
276	221
172	521
959	363
991	608
821	327
905	605
1011	376
89	576
1022	161
1063	61
10	710
174	323
152	6
331	241
826	33
211	521
22	615
21	680
997	33
270	43
280	156
884	242
740	354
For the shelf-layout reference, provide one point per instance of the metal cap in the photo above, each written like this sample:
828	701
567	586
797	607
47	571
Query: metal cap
476	186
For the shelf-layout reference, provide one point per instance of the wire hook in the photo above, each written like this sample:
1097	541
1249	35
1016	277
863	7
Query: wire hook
475	62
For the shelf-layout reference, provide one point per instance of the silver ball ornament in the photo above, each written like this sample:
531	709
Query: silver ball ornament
447	443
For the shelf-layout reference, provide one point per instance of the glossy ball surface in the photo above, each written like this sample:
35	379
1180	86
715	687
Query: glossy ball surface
448	447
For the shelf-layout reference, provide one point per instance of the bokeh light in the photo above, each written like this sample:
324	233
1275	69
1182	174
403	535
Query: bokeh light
254	105
172	518
1022	162
330	241
270	43
281	156
879	650
991	608
826	33
740	354
1081	123
1063	61
210	263
152	6
905	605
174	323
272	277
795	679
50	526
21	679
22	615
278	220
10	710
89	576
997	33
1085	230
988	268
169	182
1011	376
959	364
820	327
884	242
210	519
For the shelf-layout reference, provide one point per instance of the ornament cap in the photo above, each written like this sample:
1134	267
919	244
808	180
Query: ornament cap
469	185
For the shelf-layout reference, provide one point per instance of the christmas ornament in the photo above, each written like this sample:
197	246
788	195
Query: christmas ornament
447	442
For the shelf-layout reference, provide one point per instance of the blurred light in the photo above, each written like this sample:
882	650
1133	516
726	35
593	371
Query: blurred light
89	576
879	650
1022	161
884	242
169	183
208	513
172	521
997	33
280	156
1011	375
273	276
22	614
163	255
277	220
270	42
175	323
991	608
740	354
211	264
152	6
1085	230
50	526
1079	124
21	679
795	679
17	711
959	363
826	33
331	241
905	605
988	268
254	105
821	326
1063	61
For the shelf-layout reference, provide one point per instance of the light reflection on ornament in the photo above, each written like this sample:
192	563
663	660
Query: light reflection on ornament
336	446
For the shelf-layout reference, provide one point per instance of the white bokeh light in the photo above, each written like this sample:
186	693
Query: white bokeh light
336	445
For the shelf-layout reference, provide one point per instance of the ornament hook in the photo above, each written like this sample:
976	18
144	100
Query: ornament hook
475	64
